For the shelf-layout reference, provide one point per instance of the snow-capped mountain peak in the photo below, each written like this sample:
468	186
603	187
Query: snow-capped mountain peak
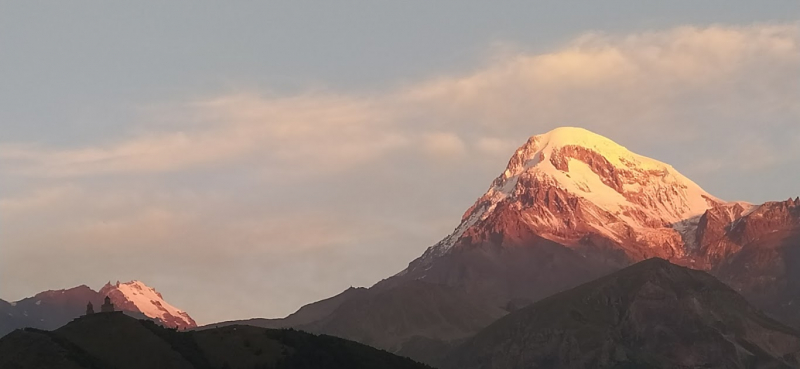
605	173
532	152
572	206
571	182
137	296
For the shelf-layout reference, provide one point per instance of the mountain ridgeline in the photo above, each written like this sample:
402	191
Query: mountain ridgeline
114	340
570	207
653	314
52	309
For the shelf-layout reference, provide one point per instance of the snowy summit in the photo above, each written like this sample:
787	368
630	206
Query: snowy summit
570	182
137	296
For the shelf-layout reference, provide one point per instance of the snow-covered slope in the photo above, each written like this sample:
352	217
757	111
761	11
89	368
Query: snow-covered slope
52	309
136	296
569	183
606	174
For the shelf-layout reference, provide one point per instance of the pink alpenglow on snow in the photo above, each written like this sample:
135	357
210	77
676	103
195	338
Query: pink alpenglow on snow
137	296
568	183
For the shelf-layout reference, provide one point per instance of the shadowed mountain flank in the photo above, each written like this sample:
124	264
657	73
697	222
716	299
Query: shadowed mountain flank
653	314
114	340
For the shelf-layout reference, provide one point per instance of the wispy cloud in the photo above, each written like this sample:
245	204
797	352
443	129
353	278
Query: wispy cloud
318	132
444	145
652	85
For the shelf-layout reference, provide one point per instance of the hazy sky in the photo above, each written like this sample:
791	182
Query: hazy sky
246	159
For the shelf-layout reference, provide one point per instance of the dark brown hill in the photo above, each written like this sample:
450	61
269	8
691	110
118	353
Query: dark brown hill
114	340
650	315
390	318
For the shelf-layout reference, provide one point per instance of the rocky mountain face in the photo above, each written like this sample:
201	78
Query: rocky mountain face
114	340
569	185
572	206
596	207
650	315
764	261
52	309
584	193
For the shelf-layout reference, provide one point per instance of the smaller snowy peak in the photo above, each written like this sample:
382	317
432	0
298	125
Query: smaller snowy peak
137	296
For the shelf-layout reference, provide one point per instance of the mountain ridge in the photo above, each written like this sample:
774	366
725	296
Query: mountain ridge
114	340
651	314
581	181
53	308
612	207
572	206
